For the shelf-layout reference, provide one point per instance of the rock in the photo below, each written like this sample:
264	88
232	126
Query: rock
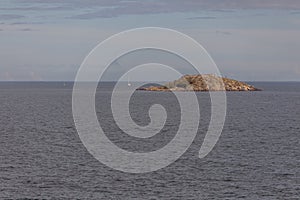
204	82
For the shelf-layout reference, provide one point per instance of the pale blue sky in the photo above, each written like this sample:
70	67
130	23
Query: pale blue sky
249	40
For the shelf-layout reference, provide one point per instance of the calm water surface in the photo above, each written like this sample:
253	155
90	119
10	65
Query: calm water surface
42	157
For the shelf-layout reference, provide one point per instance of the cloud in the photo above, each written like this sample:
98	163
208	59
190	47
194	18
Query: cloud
90	9
25	23
223	32
26	29
295	13
35	8
97	14
172	6
10	16
195	18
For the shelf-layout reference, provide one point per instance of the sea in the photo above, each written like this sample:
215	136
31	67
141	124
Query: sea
256	157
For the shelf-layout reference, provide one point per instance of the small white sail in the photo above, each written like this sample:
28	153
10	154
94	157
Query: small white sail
128	83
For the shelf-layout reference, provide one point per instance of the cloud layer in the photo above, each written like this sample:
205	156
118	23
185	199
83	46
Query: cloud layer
112	8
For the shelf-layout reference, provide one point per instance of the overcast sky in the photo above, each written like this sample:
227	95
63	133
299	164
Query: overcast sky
253	40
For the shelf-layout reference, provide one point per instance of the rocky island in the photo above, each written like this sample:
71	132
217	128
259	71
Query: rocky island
202	82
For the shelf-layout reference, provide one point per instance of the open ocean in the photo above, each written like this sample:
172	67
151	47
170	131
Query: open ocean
256	157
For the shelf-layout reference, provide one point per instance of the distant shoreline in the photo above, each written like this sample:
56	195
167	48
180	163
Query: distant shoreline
202	83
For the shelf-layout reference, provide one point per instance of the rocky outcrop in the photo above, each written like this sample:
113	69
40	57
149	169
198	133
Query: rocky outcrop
204	82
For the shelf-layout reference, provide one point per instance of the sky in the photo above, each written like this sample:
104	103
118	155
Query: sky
47	40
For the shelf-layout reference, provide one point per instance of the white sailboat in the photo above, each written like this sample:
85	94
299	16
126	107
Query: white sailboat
128	83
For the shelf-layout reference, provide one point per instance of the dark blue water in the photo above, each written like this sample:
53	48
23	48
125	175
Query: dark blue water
42	157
